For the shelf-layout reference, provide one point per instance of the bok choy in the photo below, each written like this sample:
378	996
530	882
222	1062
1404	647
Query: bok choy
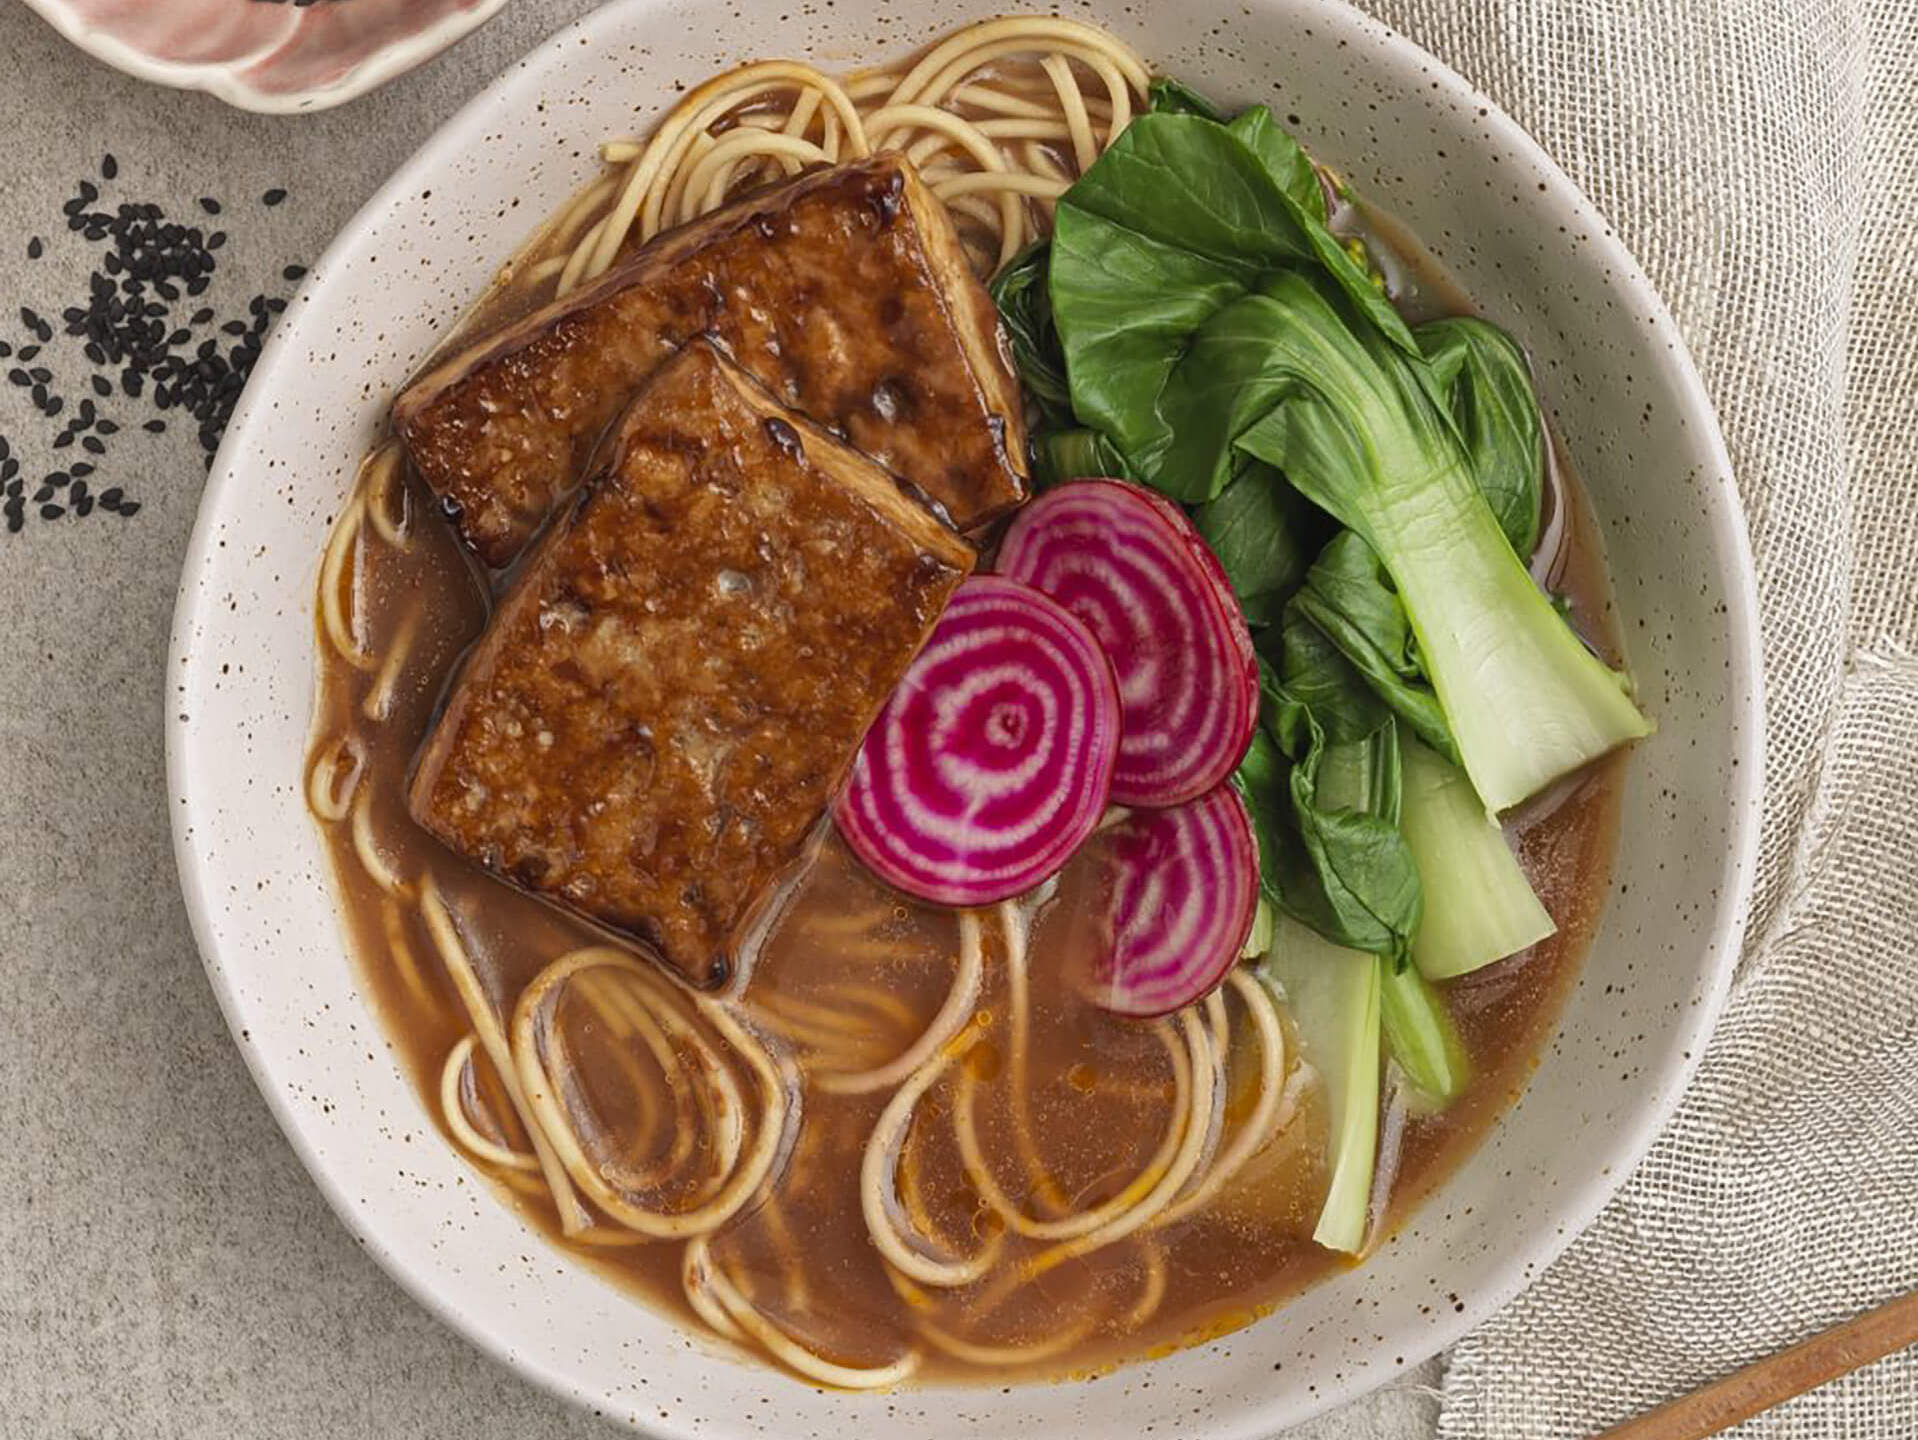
1422	1040
1209	320
1334	995
1372	492
1478	907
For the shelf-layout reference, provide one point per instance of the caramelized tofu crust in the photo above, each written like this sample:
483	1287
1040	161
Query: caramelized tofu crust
845	292
658	714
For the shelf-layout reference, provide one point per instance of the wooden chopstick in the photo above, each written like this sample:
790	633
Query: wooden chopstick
1759	1386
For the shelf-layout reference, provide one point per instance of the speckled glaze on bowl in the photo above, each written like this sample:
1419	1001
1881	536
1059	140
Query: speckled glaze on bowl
1623	392
273	58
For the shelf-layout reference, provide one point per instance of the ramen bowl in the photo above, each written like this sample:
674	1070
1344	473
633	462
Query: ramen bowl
1624	399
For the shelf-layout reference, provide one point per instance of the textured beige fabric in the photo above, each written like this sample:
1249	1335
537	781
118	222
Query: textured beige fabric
1761	158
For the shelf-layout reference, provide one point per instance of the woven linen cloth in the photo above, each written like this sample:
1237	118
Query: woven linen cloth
1760	157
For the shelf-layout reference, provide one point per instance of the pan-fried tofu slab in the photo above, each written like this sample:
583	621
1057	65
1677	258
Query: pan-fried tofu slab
845	292
684	668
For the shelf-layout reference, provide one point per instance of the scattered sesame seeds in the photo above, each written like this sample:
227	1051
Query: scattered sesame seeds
135	346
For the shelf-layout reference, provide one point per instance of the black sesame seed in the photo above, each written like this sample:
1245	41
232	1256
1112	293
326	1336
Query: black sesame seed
93	445
108	427
101	387
39	372
130	507
83	504
155	427
294	272
29	352
55	405
52	512
82	470
36	248
19	376
273	196
210	205
62	440
29	319
216	240
110	168
43	494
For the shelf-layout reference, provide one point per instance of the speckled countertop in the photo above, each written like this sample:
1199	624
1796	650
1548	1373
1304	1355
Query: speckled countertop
166	1267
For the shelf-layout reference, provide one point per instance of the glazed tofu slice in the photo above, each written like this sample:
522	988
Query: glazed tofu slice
845	292
680	674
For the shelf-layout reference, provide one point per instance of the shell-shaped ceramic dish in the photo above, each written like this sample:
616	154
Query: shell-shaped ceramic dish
274	56
1534	254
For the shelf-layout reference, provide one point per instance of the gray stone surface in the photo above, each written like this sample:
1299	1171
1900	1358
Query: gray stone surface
166	1268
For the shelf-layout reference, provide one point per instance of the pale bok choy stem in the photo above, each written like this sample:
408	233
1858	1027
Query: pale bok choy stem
1422	1040
1333	995
1478	908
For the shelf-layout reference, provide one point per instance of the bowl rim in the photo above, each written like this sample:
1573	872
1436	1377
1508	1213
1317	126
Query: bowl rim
222	78
1578	1206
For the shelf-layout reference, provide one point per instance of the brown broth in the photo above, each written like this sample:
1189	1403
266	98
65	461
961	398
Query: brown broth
1097	1091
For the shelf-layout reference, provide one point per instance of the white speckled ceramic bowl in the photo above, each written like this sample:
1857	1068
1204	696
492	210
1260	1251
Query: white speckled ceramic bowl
278	57
1623	393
